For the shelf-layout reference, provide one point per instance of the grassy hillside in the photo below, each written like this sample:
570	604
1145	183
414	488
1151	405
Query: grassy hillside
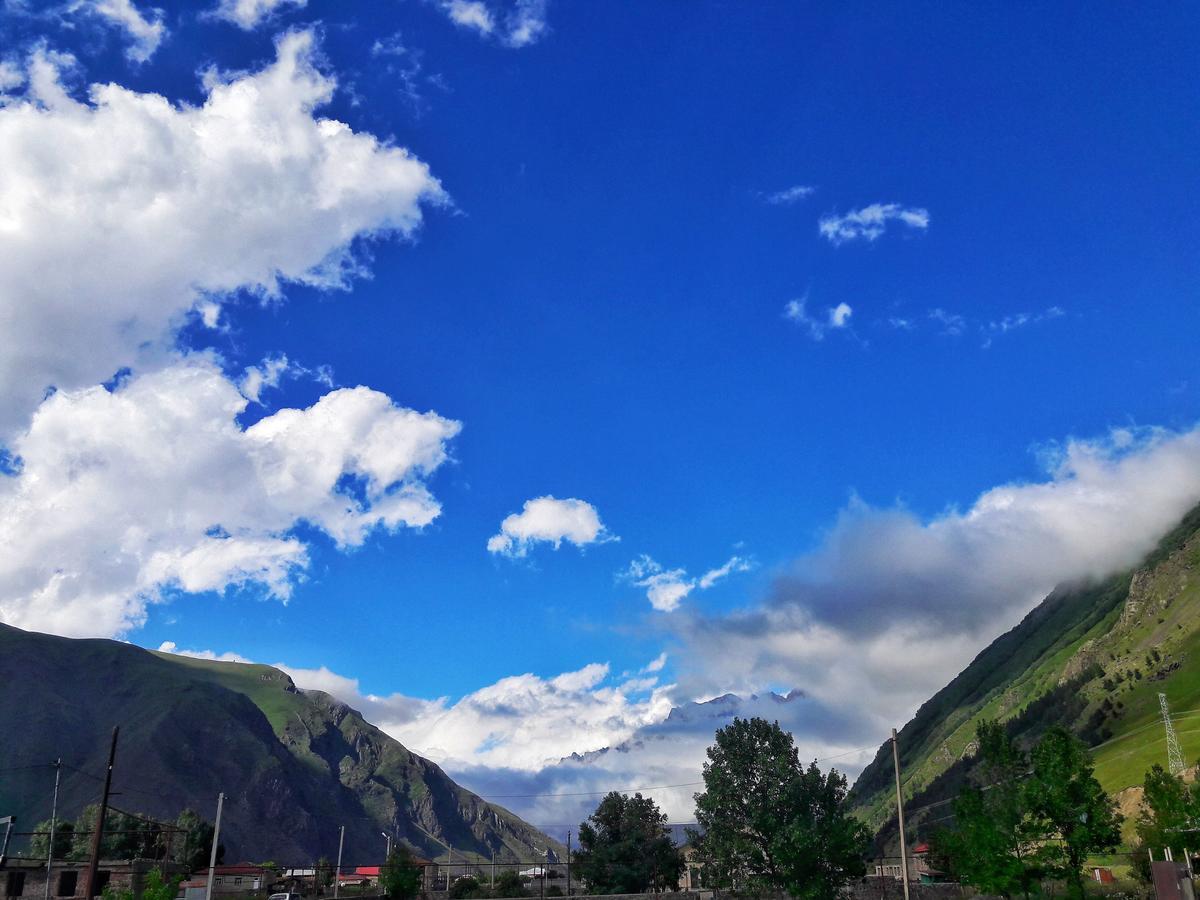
1093	657
294	765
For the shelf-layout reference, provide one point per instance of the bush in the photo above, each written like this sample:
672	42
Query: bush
509	884
464	887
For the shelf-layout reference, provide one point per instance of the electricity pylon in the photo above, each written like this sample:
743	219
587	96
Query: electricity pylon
1174	757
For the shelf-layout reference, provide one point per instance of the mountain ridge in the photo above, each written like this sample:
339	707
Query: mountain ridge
1091	655
295	765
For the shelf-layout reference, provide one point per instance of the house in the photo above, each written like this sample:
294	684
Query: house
26	878
370	874
242	878
919	867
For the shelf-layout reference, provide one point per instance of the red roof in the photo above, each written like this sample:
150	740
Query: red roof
372	871
921	848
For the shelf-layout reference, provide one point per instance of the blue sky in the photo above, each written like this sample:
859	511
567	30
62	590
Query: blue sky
603	304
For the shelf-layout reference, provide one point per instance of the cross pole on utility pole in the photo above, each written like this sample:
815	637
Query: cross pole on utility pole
98	834
900	814
53	824
212	856
337	873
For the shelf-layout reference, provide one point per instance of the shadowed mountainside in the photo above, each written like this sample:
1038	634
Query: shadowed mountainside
294	765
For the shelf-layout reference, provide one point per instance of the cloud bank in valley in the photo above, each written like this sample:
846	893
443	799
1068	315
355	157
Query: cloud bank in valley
889	607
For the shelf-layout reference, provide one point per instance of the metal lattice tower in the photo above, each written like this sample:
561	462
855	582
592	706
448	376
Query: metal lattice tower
1174	756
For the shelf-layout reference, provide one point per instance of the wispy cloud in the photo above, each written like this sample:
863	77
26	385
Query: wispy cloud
667	588
524	24
788	196
953	324
1000	327
248	14
406	64
834	318
870	222
950	323
146	29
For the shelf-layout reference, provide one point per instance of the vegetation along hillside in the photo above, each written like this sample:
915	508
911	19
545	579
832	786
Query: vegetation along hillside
294	765
1092	657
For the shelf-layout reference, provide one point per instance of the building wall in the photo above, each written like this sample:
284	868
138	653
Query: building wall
27	880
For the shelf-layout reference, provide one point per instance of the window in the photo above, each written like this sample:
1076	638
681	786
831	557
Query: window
66	884
101	883
16	884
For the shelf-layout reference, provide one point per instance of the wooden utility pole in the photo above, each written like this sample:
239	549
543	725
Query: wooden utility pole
568	862
900	815
212	856
337	873
98	834
53	825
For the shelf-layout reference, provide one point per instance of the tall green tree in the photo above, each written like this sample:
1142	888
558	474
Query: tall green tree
400	877
64	832
325	871
1169	813
193	847
770	824
991	846
1030	820
1068	807
625	848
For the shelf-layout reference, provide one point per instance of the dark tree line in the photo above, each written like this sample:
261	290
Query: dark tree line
187	840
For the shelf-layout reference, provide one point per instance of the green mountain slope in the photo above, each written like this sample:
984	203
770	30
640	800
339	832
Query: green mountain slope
1092	657
294	765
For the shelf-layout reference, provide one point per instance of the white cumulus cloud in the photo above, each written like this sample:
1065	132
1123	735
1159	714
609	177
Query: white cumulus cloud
871	222
525	721
519	723
552	521
121	495
245	191
248	14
